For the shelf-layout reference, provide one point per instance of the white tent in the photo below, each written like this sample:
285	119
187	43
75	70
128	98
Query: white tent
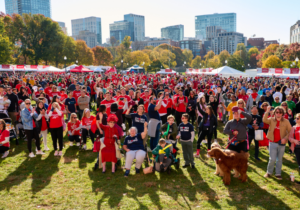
52	69
227	71
166	71
98	69
70	67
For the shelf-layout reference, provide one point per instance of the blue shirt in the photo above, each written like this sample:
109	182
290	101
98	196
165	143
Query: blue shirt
138	121
265	89
134	143
70	103
153	113
185	131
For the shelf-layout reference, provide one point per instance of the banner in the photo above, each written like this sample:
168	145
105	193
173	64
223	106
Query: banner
33	66
168	70
20	66
291	71
5	66
262	70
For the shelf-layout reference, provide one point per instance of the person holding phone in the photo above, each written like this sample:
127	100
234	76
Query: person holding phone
278	135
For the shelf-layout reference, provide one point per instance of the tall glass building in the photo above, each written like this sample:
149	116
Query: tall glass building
91	24
28	6
226	21
120	29
139	26
175	33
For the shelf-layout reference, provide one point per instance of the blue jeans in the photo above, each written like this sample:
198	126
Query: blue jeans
154	140
276	153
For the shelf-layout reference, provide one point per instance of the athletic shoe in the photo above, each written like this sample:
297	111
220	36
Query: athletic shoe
185	166
192	166
196	155
71	144
40	152
267	175
126	173
137	171
84	147
56	153
278	177
78	144
47	149
60	153
31	155
204	141
5	154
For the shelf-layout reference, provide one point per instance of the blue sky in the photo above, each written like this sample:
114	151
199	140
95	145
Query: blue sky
270	19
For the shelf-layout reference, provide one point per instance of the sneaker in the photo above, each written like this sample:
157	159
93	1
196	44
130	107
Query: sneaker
126	173
196	155
40	152
267	175
278	177
5	154
31	155
60	153
216	141
185	166
55	153
137	171
71	144
47	149
192	166
257	159
84	147
78	144
162	168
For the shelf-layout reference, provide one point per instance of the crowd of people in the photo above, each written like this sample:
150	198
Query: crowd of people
150	113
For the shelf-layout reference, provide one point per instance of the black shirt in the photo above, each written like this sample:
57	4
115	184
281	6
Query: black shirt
14	105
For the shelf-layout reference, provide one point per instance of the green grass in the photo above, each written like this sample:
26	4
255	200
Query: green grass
68	182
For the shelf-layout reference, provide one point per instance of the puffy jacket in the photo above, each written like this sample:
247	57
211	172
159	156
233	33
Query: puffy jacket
27	119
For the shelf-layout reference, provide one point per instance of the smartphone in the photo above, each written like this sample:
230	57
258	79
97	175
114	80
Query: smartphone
121	99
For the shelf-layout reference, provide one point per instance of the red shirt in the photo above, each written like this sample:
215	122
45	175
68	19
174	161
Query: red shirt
55	120
87	121
162	110
52	94
244	97
76	94
3	135
107	104
122	103
72	126
181	107
18	86
277	132
63	96
169	102
297	133
62	85
146	103
48	90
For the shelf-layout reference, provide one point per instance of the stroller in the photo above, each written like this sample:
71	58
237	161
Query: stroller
9	126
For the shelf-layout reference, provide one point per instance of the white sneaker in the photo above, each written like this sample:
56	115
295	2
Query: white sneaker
31	155
40	152
55	153
47	149
5	154
71	144
204	141
78	144
84	147
59	153
216	141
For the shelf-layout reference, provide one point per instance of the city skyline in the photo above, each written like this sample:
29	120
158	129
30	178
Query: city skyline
256	17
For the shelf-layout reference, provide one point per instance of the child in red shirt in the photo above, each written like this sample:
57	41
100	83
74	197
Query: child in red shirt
74	129
86	122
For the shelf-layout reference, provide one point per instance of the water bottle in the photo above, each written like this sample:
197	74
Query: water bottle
292	177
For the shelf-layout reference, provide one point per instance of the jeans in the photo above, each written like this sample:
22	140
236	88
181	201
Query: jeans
85	133
256	145
166	162
276	153
154	140
187	149
138	155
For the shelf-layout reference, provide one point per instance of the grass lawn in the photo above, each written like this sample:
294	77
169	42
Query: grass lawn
68	182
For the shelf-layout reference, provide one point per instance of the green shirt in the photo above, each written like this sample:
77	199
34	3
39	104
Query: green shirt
291	105
274	104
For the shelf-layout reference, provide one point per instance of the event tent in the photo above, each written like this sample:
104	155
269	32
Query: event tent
278	72
52	69
70	67
80	69
166	71
226	71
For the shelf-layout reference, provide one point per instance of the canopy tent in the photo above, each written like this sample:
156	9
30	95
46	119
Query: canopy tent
205	71
98	69
111	70
52	69
80	69
70	67
166	71
227	71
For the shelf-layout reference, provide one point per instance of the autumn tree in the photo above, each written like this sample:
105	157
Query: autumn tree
236	62
280	50
84	54
102	56
223	56
6	46
196	62
139	58
292	52
209	55
214	62
126	42
272	62
188	57
242	52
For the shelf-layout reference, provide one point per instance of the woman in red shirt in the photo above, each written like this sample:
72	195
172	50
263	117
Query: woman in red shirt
86	122
74	129
54	92
42	122
285	107
4	139
294	138
56	126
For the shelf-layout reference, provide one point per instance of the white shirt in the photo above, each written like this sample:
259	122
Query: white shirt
277	94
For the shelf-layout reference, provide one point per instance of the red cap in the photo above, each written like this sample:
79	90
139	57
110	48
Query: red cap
112	117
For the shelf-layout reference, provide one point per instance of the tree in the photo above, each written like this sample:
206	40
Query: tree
56	50
272	62
292	52
188	57
236	62
126	42
70	50
179	55
253	50
102	56
140	58
270	50
253	53
209	55
84	54
214	62
280	50
242	52
150	47
223	56
6	46
196	62
167	58
155	65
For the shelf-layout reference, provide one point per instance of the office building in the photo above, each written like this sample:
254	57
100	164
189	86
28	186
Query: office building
195	45
140	45
295	33
90	38
91	24
138	24
226	21
175	33
28	6
268	42
227	41
120	29
63	27
213	31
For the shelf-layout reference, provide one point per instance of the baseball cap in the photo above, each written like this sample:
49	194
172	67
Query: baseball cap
145	86
235	109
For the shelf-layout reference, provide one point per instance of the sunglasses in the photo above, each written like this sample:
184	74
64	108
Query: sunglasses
278	113
27	103
284	105
74	117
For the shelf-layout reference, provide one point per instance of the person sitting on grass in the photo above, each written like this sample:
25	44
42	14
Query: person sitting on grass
134	147
162	159
4	139
74	129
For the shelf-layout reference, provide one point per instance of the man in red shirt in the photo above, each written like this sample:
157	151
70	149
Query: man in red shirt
107	102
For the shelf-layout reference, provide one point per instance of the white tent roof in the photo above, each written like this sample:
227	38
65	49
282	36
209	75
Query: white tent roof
53	69
162	71
226	71
71	67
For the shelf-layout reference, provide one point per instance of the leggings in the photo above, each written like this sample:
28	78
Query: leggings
215	133
164	118
3	149
192	116
201	136
178	116
85	133
33	134
57	135
139	155
74	138
297	153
